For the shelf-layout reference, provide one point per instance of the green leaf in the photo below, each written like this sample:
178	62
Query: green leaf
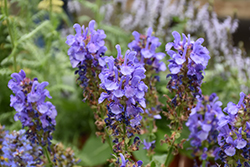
141	154
33	32
158	160
5	71
83	18
94	152
115	30
90	5
61	87
152	164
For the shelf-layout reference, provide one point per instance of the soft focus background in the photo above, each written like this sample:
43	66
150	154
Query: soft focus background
39	29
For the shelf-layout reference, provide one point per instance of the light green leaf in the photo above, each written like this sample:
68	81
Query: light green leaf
94	152
141	154
158	160
5	71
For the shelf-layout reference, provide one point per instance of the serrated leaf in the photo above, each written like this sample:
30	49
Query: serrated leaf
33	32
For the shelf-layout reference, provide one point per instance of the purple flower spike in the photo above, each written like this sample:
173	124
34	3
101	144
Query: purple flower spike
189	59
32	110
233	129
203	123
86	53
84	46
125	90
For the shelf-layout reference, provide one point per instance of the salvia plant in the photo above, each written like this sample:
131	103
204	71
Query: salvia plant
132	115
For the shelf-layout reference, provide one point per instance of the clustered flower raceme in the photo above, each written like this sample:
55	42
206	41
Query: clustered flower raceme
19	151
203	123
32	110
234	133
121	78
63	157
186	66
146	46
86	48
187	63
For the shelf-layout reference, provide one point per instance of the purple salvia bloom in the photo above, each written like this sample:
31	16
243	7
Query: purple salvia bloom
86	53
32	110
146	46
189	59
125	162
203	123
83	46
148	145
230	127
230	151
232	108
125	90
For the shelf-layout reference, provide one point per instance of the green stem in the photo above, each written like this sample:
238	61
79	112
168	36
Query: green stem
14	63
109	141
107	134
47	156
204	163
97	14
11	34
50	9
167	162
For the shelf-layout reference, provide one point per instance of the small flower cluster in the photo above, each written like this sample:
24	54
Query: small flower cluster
187	63
148	145
125	90
19	151
146	46
234	132
63	157
32	110
86	48
203	123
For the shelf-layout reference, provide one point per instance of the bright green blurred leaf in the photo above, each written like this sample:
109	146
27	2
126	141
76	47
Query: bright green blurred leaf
94	152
